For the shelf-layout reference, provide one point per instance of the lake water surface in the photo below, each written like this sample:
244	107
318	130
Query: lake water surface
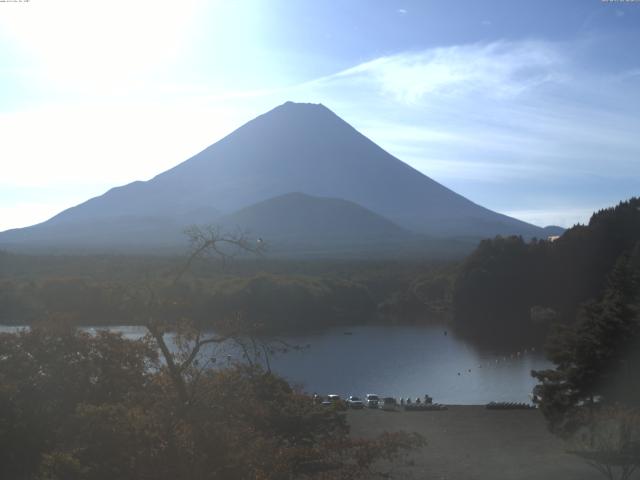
399	361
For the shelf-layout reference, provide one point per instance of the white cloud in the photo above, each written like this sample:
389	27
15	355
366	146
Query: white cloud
495	70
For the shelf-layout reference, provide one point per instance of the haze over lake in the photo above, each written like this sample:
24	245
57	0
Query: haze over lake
400	361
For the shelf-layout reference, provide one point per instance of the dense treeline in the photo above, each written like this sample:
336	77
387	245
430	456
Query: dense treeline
511	291
80	407
273	295
598	357
592	395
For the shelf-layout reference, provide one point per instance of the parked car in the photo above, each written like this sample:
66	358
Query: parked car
389	403
335	401
354	402
372	400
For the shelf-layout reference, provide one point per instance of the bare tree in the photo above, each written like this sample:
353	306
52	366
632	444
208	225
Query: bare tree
189	338
610	441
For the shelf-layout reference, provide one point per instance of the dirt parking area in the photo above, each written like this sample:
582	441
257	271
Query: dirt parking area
472	443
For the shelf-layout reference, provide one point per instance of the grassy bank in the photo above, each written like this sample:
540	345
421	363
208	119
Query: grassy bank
472	443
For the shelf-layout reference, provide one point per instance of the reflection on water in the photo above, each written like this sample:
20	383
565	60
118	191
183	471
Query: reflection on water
400	361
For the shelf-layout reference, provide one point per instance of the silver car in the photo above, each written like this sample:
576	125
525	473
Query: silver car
354	402
372	400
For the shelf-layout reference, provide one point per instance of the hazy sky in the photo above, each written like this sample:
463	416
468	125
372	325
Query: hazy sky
530	108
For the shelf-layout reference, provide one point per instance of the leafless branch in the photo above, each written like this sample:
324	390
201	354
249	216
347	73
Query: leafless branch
210	239
196	349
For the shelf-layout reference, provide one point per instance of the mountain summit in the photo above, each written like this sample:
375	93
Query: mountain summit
296	147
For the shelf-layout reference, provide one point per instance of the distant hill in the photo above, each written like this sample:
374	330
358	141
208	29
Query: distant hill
299	223
306	218
293	224
293	148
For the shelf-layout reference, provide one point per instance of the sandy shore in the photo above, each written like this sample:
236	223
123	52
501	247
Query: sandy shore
472	443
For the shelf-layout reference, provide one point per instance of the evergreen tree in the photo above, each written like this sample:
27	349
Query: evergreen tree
596	358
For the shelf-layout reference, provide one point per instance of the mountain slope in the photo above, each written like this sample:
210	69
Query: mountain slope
292	148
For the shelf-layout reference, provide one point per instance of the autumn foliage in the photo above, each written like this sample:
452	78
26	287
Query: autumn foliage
81	406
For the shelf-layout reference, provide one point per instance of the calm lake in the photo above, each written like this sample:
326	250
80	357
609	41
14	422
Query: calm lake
399	361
